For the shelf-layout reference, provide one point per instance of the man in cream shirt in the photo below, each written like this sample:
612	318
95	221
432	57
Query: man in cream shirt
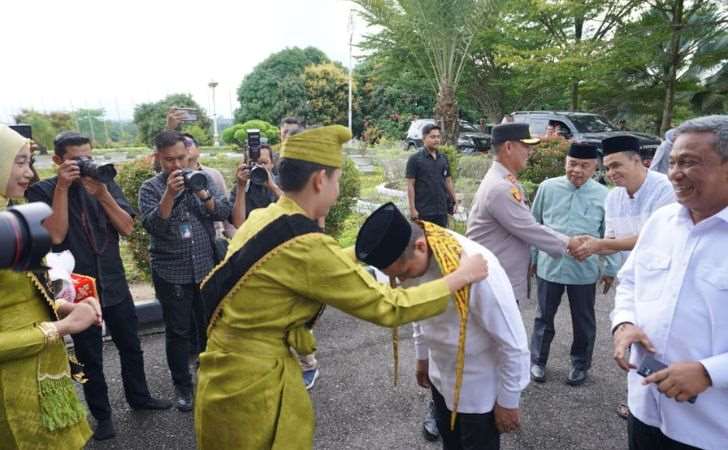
496	368
672	301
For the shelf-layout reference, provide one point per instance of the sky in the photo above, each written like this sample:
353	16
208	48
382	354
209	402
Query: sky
114	54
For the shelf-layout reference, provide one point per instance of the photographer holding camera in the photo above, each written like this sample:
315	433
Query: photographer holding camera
255	187
38	403
89	213
178	208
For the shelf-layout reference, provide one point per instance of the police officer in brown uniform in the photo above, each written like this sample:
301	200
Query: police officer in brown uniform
501	220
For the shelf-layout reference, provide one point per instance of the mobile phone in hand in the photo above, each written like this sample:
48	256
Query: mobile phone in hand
190	114
650	365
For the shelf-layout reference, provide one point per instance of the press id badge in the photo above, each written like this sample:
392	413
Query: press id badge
185	230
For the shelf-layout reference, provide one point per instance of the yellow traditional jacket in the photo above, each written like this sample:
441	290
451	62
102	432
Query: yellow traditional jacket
38	404
250	393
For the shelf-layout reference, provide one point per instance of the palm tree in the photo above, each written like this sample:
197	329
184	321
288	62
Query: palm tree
433	35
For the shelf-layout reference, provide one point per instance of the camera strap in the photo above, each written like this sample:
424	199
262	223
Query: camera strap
88	228
228	276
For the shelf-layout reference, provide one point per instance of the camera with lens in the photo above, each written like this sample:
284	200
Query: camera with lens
23	240
195	180
88	167
258	175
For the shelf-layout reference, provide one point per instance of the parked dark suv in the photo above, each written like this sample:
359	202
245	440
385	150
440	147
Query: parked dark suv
470	138
583	127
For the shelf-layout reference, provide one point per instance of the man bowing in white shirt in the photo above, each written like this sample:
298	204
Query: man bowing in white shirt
672	301
481	379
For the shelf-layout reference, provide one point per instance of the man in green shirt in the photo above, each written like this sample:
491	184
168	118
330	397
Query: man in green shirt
573	205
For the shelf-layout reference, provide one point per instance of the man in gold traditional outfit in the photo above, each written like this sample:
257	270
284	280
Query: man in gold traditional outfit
279	273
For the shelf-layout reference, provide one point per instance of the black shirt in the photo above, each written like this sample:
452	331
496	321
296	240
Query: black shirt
91	237
431	196
256	196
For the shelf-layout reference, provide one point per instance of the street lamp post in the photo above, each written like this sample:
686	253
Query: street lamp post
213	85
351	38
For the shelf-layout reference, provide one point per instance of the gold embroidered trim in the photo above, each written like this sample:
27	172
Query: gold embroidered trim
238	285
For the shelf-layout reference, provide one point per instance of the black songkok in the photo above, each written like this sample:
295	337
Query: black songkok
583	151
383	237
618	144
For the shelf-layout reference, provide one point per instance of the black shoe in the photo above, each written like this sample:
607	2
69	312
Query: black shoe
538	373
429	425
576	377
184	400
153	404
104	430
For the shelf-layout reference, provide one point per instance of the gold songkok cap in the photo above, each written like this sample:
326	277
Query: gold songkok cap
318	145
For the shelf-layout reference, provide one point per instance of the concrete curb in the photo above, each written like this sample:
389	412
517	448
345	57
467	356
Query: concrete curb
148	311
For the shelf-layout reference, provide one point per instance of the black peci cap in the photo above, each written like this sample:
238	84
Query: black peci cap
583	151
383	237
624	143
512	132
69	138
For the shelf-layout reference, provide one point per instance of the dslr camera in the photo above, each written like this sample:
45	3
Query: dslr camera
88	167
195	180
258	175
23	240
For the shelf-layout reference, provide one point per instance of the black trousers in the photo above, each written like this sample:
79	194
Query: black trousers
185	327
440	219
583	322
645	437
121	322
472	431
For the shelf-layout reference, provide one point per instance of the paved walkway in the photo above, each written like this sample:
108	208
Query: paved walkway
358	407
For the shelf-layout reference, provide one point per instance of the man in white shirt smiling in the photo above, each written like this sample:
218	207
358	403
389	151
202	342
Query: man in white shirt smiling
672	301
496	356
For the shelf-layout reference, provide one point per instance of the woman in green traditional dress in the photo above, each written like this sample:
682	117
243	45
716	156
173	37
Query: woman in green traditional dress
38	404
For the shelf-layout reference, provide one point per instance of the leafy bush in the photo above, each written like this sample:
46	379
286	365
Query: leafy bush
130	179
546	161
474	166
453	158
371	135
238	133
349	189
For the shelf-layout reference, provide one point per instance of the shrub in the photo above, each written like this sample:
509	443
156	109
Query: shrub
453	158
546	161
372	135
130	179
349	188
238	133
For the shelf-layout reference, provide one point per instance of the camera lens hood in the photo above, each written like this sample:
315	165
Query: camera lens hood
23	240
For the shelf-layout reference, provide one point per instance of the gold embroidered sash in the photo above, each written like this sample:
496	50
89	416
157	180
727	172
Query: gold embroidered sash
446	250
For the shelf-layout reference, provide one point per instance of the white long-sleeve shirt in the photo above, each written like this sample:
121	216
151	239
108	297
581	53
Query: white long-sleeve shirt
624	216
496	348
674	286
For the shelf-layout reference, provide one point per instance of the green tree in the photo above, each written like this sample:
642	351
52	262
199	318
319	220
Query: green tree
327	92
698	42
435	36
150	118
91	123
275	87
389	97
712	97
658	65
42	127
576	33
